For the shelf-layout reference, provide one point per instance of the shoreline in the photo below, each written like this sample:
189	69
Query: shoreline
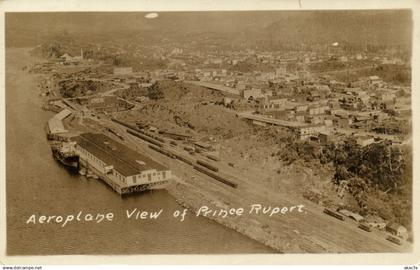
16	246
240	224
279	235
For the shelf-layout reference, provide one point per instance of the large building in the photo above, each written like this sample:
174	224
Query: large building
124	169
101	103
123	70
67	58
308	131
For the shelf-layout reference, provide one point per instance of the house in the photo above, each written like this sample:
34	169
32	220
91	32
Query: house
323	138
141	99
328	122
364	99
268	93
66	57
343	59
314	96
323	89
350	104
314	119
375	222
274	103
397	229
387	97
314	110
333	104
352	215
364	140
241	85
281	70
253	94
301	108
342	122
300	117
358	83
375	80
227	102
339	113
123	70
394	61
103	103
308	131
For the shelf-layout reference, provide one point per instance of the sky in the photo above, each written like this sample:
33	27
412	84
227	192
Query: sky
379	26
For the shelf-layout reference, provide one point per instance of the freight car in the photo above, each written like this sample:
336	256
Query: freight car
212	157
207	165
162	151
215	176
184	159
333	214
154	137
189	148
144	137
124	124
134	128
365	227
176	136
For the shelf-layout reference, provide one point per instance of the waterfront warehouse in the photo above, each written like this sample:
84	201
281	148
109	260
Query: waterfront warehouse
124	169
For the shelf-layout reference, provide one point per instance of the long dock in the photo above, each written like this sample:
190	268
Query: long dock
218	87
272	121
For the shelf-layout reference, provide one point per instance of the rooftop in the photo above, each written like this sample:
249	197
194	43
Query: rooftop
125	160
62	114
56	126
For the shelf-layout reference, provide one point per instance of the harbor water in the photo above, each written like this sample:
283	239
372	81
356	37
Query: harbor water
37	185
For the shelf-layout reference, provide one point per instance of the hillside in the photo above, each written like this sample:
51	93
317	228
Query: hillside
274	27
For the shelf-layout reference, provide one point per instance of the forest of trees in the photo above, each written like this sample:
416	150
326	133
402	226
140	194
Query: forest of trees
378	176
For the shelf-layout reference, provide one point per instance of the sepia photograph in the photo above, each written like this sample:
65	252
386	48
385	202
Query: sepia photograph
208	132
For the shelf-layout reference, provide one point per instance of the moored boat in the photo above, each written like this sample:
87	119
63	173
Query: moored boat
65	154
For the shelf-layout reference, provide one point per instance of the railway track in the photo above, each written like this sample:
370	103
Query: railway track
317	232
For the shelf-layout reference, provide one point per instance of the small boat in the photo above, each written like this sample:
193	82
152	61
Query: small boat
82	171
91	174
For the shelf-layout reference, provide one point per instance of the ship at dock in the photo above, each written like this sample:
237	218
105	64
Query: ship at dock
65	154
96	155
123	169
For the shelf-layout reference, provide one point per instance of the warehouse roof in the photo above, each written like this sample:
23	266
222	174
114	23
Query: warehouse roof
63	114
125	160
55	126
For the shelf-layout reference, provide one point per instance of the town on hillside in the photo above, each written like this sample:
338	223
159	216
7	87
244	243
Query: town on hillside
228	116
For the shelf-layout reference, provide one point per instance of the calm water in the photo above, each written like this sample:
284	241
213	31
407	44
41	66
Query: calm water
36	184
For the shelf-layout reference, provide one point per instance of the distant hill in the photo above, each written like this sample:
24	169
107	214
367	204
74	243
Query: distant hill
375	28
294	27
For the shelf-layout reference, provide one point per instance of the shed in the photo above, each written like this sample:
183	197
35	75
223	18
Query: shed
397	229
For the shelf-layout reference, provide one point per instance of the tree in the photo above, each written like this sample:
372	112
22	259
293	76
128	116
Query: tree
154	92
